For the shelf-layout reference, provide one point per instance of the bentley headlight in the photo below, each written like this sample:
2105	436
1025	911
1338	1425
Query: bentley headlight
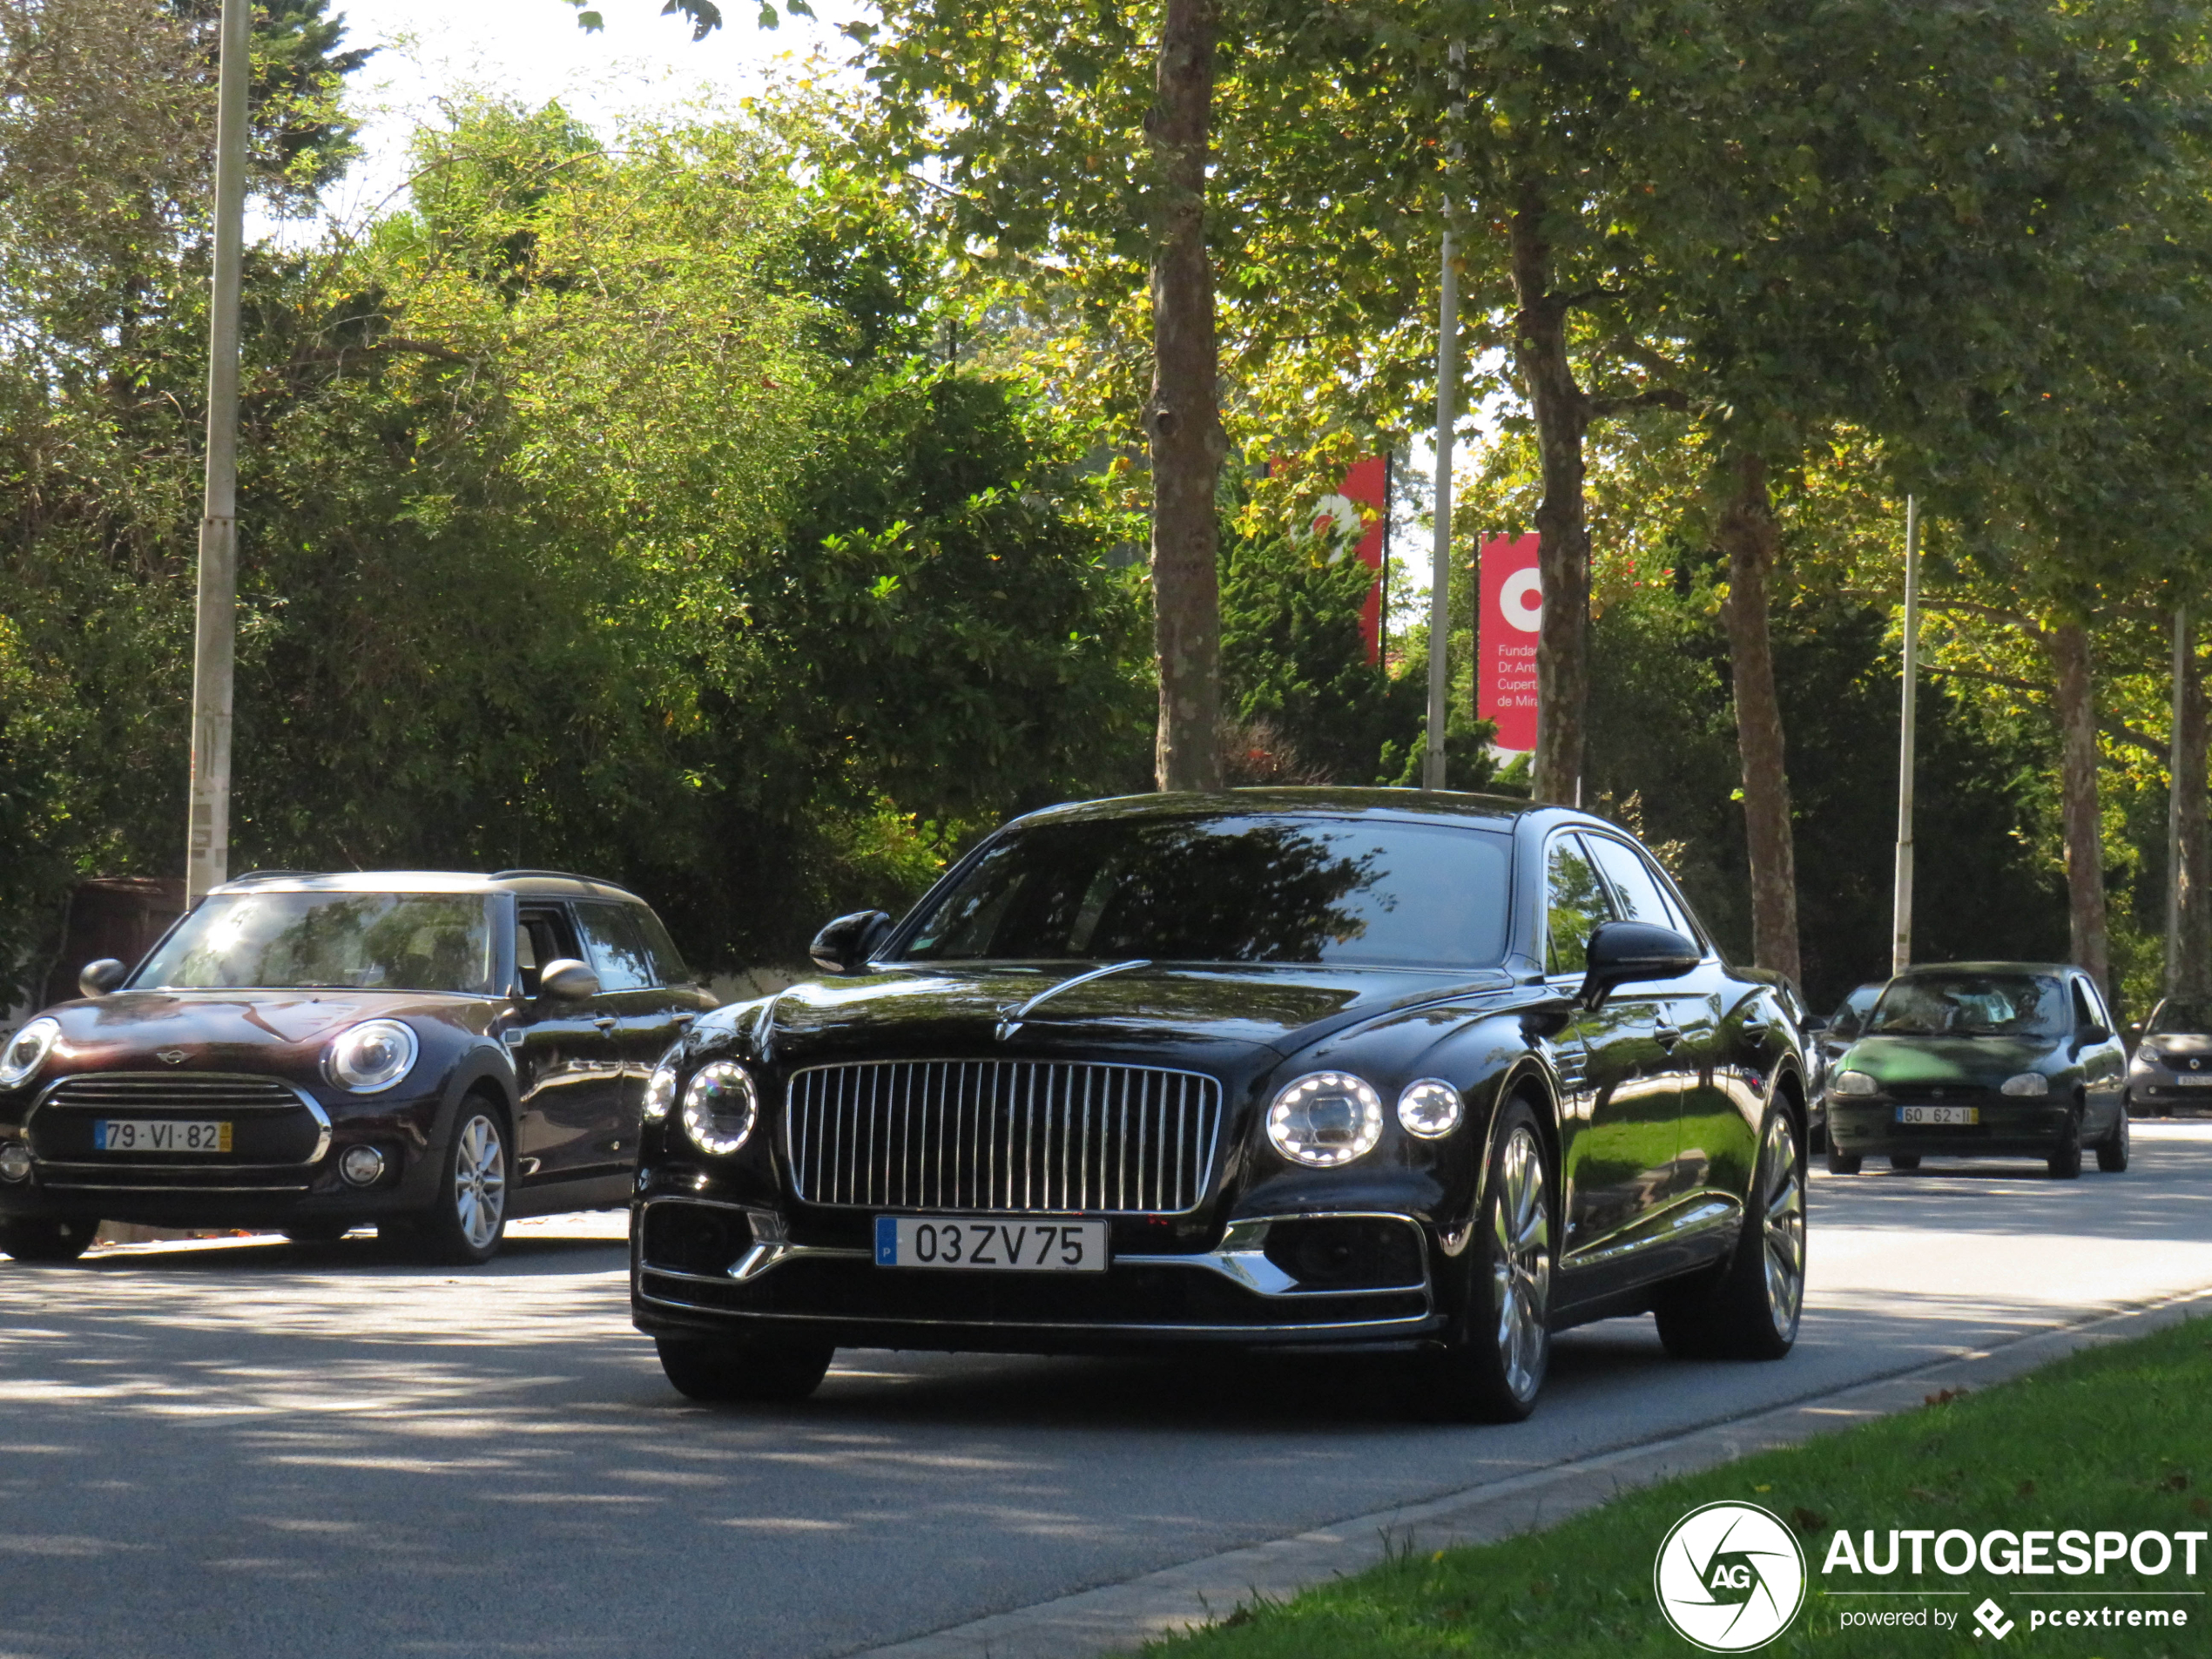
660	1092
1325	1118
370	1057
720	1107
1430	1109
2026	1083
27	1051
1856	1082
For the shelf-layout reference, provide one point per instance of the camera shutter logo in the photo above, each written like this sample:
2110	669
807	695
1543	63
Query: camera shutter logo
1729	1577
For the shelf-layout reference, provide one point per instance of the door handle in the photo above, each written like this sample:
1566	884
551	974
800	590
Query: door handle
683	1019
605	1022
1668	1035
1754	1028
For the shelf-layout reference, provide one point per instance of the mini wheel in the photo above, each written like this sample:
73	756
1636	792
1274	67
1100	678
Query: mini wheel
30	1238
468	1218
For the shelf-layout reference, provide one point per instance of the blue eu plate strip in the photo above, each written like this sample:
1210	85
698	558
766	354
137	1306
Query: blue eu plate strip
886	1241
99	1135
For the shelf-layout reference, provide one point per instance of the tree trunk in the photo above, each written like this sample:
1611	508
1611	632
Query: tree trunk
1747	533
2085	863
2193	876
1184	417
1562	412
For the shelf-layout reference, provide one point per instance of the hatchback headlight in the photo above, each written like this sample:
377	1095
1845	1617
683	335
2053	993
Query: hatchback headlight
1325	1118
1856	1082
27	1051
370	1057
1430	1109
720	1107
2027	1084
660	1092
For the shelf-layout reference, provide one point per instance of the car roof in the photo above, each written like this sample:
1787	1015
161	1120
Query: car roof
2051	968
1496	812
536	884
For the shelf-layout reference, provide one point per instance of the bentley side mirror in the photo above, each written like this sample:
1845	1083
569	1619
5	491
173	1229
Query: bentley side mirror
99	978
1622	951
845	944
568	980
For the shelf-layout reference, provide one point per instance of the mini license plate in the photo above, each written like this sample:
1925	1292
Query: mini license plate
990	1246
160	1135
1939	1114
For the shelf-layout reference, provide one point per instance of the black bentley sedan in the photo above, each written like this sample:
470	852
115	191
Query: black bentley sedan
1361	1068
431	1052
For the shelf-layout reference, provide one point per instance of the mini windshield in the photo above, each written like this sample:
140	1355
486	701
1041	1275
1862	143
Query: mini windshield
1229	888
1971	1005
384	941
2175	1017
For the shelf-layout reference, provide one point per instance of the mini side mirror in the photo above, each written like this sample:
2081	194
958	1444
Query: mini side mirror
99	978
568	980
1622	951
847	943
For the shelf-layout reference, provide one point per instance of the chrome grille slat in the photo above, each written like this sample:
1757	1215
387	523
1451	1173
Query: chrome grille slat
158	1091
1002	1136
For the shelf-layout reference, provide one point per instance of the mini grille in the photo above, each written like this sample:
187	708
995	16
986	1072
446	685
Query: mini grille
155	1090
1002	1135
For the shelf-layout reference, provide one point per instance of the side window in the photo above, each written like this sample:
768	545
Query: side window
2097	1007
1574	902
660	949
2088	1009
618	954
541	936
1635	888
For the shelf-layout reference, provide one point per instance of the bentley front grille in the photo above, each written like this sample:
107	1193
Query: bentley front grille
1017	1135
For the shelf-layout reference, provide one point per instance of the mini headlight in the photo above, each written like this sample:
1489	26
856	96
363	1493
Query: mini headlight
2027	1082
371	1057
1325	1118
660	1092
27	1051
1856	1082
720	1107
1429	1108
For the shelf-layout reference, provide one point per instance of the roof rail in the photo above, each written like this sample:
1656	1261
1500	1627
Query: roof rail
268	875
557	875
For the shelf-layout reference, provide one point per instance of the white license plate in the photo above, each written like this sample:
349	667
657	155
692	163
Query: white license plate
160	1135
2193	1080
1939	1114
990	1246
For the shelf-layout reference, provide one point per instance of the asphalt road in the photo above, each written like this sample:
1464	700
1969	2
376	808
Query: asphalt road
252	1449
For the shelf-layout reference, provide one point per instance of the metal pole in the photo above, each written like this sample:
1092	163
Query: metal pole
2174	807
207	848
1439	616
1901	913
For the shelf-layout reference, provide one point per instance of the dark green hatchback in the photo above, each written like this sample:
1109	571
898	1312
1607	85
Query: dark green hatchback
1982	1060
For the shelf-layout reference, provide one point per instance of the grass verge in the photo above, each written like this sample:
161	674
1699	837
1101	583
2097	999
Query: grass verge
2116	1439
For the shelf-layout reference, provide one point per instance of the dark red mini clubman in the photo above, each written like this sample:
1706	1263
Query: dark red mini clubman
435	1053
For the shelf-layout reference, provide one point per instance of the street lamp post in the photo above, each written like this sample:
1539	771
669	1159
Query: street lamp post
1440	606
215	636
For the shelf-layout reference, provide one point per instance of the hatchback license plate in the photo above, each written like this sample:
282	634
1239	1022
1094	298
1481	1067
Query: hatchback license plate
972	1241
1939	1114
160	1135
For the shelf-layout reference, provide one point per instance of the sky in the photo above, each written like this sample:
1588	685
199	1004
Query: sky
533	49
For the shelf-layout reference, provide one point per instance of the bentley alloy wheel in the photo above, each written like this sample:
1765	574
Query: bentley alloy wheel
1495	1366
1749	1308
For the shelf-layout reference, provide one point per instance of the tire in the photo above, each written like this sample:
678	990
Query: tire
1905	1160
2112	1151
729	1372
2065	1161
317	1232
466	1221
1494	1368
32	1240
1749	1309
1842	1162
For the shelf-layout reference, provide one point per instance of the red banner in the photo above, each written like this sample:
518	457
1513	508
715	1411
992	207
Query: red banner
1513	609
1362	504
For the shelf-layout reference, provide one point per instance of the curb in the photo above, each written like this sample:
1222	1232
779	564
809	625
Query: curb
1120	1616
